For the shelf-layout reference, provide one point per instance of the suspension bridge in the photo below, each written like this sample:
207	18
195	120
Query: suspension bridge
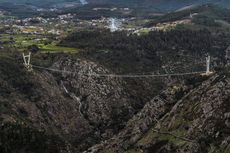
29	67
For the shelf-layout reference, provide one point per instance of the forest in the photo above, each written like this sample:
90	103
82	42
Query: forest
138	53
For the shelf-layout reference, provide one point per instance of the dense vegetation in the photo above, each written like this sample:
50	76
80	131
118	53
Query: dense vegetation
163	4
202	15
41	3
138	53
122	53
15	136
87	12
18	10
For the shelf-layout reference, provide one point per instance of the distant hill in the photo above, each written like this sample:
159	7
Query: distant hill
40	3
208	15
163	4
160	4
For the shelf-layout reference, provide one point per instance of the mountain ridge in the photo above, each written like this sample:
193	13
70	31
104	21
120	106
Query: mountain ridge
159	4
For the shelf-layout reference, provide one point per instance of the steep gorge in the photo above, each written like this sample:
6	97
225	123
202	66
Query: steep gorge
196	122
46	101
116	115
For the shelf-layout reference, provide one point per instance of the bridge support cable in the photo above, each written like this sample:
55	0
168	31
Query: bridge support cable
120	75
27	59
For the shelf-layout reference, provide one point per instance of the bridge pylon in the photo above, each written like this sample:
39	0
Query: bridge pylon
27	59
208	62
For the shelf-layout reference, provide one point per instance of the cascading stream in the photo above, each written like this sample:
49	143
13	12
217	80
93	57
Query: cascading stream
73	96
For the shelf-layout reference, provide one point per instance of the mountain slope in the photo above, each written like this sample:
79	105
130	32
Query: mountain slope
71	112
160	4
195	121
71	108
36	2
208	16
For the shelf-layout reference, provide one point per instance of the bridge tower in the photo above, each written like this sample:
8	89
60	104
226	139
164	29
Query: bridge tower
26	59
208	60
191	15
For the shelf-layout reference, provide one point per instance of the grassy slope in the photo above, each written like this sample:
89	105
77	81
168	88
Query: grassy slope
22	41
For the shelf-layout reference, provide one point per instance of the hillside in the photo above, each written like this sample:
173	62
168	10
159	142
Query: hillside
205	15
145	9
166	5
196	121
155	52
74	109
40	3
74	112
114	76
83	112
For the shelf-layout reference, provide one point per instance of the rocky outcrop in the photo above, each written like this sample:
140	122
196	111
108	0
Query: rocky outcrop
95	109
134	128
75	111
104	101
36	100
197	122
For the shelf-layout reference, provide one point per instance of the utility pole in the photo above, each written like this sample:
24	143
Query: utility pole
26	59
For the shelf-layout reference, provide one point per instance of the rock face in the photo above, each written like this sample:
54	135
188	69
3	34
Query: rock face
105	104
75	111
76	107
36	100
197	122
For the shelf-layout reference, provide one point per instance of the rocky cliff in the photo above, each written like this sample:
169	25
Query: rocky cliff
196	121
76	108
59	111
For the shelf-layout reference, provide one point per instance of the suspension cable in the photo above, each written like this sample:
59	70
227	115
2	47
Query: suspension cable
119	75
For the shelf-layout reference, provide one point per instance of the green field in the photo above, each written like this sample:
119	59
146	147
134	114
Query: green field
22	41
52	48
